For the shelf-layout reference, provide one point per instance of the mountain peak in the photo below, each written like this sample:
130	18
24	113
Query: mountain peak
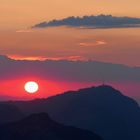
38	120
103	86
104	90
40	126
108	88
38	117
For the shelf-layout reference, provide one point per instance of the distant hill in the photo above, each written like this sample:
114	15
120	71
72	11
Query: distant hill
9	113
41	127
103	110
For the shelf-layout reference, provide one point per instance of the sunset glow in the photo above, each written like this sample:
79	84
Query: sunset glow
69	63
63	57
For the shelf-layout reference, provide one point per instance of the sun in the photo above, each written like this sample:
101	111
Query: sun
31	87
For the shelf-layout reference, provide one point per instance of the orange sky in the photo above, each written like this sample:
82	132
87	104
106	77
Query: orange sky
110	45
17	40
50	88
24	13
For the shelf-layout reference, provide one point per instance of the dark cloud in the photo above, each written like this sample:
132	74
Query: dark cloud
100	21
64	70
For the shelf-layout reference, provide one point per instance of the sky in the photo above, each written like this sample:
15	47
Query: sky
55	77
24	13
109	45
113	45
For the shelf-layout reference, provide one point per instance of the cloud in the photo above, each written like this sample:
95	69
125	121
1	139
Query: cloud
41	58
100	21
91	44
24	31
65	70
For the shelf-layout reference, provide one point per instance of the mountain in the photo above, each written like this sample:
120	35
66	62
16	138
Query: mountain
103	110
41	127
137	99
9	113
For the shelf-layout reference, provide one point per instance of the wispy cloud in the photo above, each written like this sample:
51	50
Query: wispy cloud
100	21
24	31
91	44
41	58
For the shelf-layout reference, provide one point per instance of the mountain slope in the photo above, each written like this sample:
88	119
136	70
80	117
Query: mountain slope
9	113
102	109
41	127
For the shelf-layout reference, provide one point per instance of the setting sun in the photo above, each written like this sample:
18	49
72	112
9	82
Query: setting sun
31	87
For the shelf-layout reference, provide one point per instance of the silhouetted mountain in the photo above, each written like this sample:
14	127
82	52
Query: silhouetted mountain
41	127
100	21
9	113
137	99
102	110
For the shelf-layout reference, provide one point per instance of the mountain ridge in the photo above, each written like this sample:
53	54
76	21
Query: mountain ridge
103	110
41	127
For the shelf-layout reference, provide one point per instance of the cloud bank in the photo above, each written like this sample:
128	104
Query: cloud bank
64	70
100	21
